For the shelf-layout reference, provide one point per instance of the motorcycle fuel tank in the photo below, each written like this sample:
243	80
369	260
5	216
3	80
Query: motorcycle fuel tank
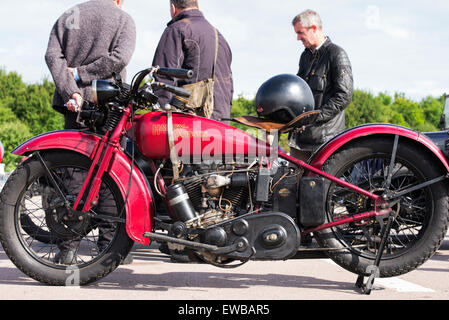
197	140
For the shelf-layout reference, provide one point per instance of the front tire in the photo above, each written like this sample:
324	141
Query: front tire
98	246
421	216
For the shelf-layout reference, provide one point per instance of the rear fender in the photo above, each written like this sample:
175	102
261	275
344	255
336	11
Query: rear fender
139	204
325	151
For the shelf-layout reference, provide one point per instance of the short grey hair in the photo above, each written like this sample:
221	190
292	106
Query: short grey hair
308	18
184	4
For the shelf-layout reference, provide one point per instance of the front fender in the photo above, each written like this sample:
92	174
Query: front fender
139	204
73	140
325	151
2	151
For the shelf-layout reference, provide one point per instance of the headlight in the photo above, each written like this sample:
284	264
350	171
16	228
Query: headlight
104	91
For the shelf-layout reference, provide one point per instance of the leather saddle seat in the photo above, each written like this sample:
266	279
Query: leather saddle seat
298	124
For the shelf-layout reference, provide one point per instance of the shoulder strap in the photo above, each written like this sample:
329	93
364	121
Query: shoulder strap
216	53
171	143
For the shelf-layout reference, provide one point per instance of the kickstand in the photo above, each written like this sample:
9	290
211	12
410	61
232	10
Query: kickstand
373	270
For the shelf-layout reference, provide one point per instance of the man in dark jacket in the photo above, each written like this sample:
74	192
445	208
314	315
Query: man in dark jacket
93	40
88	42
188	42
327	69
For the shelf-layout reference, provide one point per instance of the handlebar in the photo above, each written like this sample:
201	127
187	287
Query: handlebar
176	73
175	90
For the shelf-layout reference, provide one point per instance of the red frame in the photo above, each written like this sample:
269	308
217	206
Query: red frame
358	217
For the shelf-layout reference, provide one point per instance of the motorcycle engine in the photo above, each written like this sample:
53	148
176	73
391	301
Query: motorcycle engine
217	195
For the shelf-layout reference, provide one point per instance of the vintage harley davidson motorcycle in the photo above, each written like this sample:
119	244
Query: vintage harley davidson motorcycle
375	197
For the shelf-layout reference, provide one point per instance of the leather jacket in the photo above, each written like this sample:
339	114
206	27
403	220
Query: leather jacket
328	72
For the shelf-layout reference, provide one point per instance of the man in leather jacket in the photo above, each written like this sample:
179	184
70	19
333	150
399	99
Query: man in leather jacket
327	70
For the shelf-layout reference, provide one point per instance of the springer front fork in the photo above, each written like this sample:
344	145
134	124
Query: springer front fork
101	159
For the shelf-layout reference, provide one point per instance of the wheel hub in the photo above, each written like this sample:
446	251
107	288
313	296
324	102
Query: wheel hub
63	222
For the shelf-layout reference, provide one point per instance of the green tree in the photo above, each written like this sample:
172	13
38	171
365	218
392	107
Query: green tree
242	106
433	108
10	84
366	108
6	114
413	115
31	103
13	134
25	110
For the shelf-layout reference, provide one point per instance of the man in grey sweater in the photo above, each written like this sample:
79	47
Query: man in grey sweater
93	40
90	41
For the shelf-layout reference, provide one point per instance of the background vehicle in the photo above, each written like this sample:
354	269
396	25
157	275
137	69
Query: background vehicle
441	138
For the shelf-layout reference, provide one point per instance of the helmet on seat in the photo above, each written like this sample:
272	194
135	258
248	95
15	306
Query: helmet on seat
283	98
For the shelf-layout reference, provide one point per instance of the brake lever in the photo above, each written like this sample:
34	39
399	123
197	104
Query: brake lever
175	90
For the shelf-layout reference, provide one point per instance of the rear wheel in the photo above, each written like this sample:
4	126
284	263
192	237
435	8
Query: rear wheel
420	216
48	243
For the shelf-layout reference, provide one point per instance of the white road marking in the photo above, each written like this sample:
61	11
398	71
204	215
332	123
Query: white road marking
393	283
401	285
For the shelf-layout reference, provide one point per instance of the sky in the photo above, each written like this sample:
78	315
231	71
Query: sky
394	45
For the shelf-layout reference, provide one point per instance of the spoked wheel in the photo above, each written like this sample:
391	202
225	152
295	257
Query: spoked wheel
47	241
420	216
31	221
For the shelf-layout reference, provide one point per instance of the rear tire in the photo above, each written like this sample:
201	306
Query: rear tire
421	217
37	259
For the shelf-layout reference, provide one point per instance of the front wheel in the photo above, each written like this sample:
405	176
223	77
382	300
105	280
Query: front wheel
75	251
420	216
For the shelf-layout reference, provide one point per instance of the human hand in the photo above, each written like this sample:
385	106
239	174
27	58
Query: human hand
75	107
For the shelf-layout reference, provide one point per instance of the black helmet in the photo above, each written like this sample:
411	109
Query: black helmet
283	98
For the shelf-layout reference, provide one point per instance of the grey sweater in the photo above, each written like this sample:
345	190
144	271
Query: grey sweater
97	38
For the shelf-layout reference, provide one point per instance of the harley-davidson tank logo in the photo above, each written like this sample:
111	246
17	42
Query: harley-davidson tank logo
180	130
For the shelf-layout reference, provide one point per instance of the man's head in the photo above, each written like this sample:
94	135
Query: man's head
178	6
309	29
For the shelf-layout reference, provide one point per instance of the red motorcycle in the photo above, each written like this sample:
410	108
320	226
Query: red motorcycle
375	197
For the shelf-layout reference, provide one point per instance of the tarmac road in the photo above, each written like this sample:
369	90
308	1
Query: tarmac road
152	276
